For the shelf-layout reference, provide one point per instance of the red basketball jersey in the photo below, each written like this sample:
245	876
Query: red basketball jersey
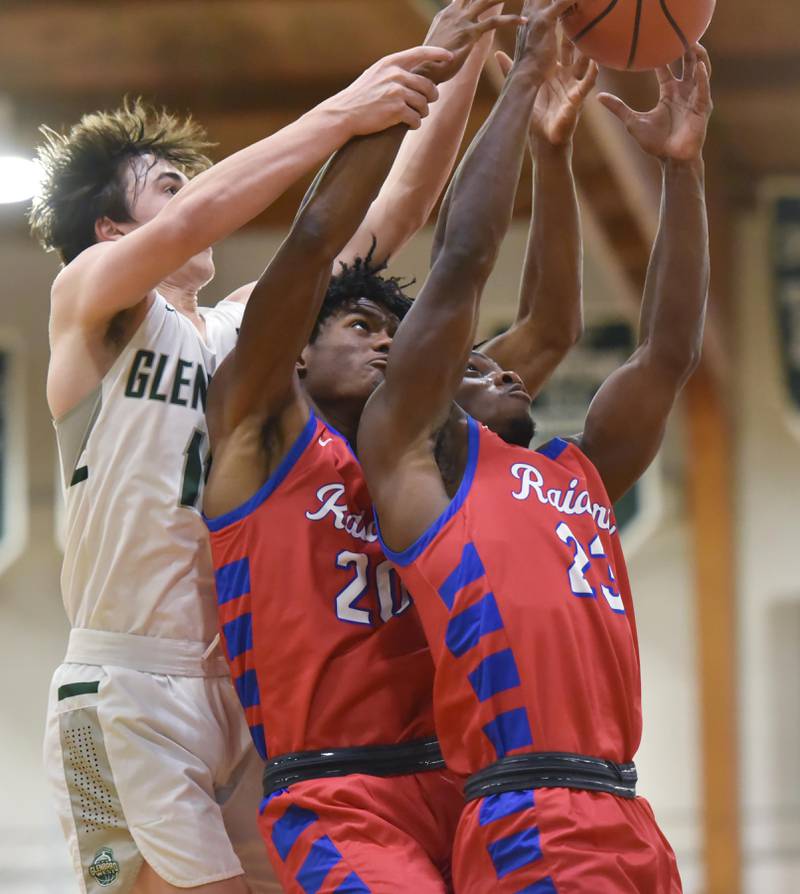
522	589
325	647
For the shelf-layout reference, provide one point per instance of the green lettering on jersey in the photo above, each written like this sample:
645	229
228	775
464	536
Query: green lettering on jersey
138	377
179	382
200	389
154	392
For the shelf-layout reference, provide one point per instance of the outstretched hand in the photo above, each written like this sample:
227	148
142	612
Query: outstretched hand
458	27
537	44
391	92
560	99
676	128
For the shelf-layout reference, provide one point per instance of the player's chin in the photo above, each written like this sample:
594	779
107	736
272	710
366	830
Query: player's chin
367	381
515	425
375	374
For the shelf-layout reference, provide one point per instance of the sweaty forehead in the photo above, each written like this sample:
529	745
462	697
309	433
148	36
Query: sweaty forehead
144	169
371	309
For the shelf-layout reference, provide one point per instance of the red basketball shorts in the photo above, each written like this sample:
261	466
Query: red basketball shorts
357	834
561	841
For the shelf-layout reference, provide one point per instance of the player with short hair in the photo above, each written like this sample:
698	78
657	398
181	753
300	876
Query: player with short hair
325	650
513	556
155	775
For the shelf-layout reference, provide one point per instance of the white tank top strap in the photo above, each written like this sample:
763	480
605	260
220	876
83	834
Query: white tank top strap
150	654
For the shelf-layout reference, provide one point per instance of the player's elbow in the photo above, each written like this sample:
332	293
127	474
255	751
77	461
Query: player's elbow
473	259
313	235
676	361
563	338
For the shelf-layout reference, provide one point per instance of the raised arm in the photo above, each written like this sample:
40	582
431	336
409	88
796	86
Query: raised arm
257	378
626	420
115	275
426	158
429	352
550	314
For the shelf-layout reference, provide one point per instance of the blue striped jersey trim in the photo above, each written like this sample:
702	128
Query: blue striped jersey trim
247	688
233	580
543	886
271	484
259	740
238	635
290	827
465	629
515	851
352	885
468	570
496	673
509	731
409	555
265	801
497	807
322	857
553	448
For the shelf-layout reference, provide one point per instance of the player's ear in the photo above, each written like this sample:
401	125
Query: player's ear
106	230
301	366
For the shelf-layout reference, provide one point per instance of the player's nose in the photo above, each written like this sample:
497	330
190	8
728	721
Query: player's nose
505	377
383	340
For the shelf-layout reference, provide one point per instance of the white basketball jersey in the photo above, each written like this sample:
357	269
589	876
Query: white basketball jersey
134	455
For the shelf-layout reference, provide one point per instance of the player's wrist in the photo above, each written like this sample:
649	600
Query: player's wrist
693	165
339	118
544	150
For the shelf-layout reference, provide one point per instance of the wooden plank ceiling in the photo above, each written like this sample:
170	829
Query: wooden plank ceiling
246	67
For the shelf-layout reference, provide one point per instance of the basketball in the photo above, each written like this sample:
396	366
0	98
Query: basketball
637	34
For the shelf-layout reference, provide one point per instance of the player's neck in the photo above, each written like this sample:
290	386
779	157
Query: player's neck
344	420
182	297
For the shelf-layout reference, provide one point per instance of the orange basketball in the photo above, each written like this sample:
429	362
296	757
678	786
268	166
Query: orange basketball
637	34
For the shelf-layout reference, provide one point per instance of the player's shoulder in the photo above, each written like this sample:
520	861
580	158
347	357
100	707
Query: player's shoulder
241	295
568	453
67	283
558	449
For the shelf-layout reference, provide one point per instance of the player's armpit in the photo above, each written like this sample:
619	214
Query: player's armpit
249	452
626	420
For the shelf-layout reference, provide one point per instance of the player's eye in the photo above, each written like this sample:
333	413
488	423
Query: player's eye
472	369
360	323
172	190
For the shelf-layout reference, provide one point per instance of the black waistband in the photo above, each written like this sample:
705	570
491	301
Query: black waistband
373	760
553	769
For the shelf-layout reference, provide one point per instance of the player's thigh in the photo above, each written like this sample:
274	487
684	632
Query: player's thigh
561	840
169	748
101	845
354	834
134	758
149	882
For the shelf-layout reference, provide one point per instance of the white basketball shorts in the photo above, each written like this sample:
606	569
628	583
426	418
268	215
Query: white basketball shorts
153	765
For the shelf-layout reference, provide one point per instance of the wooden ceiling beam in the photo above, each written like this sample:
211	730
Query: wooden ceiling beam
145	46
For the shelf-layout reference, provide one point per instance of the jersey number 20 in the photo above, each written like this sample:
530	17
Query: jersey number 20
393	598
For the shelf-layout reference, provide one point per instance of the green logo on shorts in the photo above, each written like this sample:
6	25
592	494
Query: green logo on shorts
104	868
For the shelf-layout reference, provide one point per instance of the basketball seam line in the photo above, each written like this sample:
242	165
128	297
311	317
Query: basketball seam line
595	21
675	26
635	36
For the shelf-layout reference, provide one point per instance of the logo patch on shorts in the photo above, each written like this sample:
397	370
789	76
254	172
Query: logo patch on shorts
104	868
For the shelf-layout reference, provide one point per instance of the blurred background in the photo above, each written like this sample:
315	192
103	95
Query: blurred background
711	534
